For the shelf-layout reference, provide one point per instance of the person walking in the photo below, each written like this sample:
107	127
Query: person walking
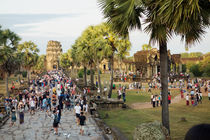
151	98
13	116
49	103
82	119
77	110
55	122
187	99
21	112
209	93
157	100
32	106
153	101
169	98
123	94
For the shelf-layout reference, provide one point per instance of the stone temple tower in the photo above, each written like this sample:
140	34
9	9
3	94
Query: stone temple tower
54	51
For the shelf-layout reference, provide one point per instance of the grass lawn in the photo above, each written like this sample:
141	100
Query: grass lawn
127	120
132	96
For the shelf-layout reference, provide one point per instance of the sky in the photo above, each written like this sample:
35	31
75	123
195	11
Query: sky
64	21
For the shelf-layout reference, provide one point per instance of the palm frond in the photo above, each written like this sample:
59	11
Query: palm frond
121	15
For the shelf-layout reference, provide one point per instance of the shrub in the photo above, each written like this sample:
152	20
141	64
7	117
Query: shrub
81	73
195	69
88	72
24	74
207	70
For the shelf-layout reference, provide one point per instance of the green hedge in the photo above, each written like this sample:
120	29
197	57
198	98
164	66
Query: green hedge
24	74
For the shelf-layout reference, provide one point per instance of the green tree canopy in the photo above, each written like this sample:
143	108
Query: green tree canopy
66	59
10	60
29	51
146	47
40	65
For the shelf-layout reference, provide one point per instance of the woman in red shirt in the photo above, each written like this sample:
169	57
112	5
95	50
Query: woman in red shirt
169	99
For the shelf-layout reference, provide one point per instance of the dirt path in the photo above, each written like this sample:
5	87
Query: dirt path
145	105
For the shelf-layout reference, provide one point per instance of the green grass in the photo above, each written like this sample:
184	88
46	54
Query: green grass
135	96
127	120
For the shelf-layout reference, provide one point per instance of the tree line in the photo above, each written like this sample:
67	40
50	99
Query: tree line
15	56
95	44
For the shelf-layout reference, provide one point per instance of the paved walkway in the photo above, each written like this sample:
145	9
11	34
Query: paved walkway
39	127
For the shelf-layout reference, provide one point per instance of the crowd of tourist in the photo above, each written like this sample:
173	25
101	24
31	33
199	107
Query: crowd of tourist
51	93
190	89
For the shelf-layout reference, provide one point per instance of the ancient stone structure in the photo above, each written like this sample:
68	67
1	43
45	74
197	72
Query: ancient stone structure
125	66
54	51
147	62
144	64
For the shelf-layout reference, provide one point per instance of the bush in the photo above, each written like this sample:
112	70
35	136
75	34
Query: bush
88	72
195	69
151	131
81	73
24	74
207	70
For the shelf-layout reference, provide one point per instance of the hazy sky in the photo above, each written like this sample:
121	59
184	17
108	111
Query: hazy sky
64	20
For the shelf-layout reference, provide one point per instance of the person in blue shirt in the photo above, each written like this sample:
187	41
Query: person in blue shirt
44	104
48	103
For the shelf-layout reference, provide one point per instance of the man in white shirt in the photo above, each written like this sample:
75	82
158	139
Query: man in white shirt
32	105
77	110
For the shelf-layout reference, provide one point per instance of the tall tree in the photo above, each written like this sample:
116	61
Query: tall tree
40	65
75	58
30	55
9	59
66	60
163	18
99	42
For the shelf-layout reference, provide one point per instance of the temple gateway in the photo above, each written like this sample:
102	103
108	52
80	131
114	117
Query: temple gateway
54	51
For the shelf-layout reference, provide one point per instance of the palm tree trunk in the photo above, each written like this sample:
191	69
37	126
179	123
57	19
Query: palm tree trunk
112	73
120	65
6	84
85	76
99	78
19	79
92	78
28	72
164	83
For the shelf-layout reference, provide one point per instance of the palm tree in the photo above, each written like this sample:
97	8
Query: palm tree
40	65
66	60
75	58
9	59
30	56
163	17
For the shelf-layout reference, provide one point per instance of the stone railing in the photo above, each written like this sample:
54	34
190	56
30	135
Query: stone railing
3	115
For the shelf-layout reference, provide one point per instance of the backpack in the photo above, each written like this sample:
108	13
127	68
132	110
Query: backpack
56	119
